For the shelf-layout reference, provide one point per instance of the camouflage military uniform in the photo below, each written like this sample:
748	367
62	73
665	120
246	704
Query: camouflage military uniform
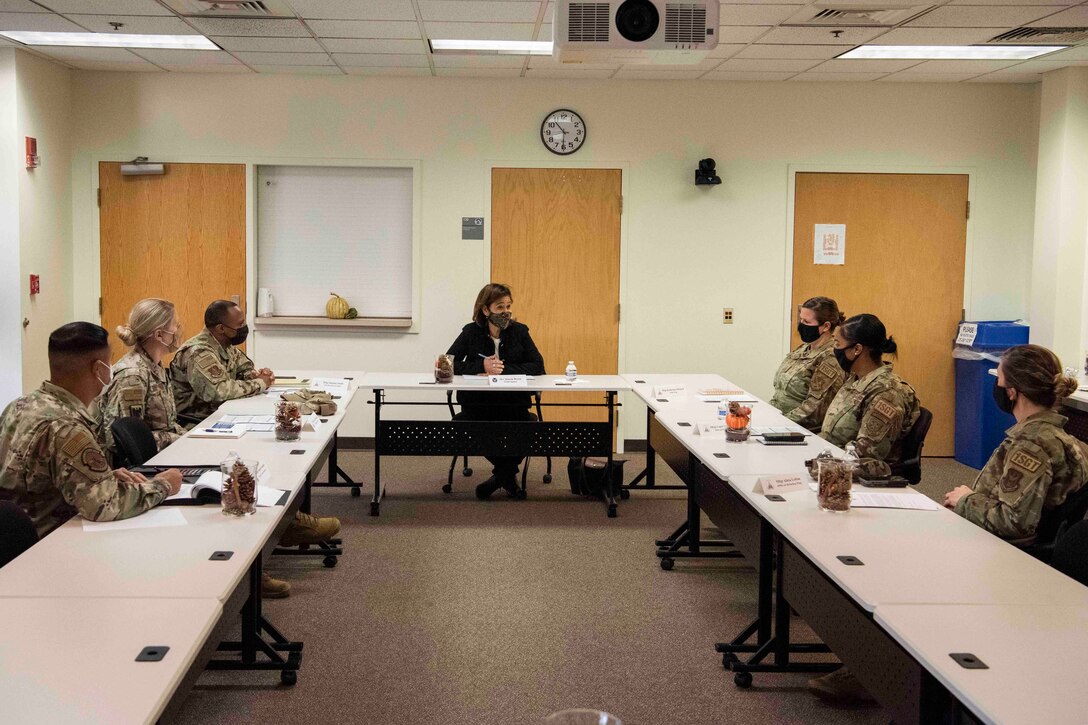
205	374
805	384
51	464
1034	469
875	412
140	388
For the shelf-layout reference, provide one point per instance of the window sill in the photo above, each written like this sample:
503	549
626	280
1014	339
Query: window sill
310	323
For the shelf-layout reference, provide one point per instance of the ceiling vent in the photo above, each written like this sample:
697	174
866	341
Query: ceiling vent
231	8
856	15
1041	36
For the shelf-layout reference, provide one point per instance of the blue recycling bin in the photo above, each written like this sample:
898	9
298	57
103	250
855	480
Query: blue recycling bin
980	424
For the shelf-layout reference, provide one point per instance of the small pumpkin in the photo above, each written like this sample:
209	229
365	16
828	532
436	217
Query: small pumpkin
739	416
336	308
352	313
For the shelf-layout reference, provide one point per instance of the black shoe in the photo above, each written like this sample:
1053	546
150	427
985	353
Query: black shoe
488	487
512	489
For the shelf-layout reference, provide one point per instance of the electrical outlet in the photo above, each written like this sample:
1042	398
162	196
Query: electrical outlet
727	315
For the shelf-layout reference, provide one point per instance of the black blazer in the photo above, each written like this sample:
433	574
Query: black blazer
516	349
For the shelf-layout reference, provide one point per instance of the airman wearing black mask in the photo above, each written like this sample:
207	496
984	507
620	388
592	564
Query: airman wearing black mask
809	377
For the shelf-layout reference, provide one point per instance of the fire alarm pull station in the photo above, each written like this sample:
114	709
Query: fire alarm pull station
33	161
35	284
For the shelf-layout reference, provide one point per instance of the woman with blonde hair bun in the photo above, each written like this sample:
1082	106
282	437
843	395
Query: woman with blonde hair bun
1038	465
140	386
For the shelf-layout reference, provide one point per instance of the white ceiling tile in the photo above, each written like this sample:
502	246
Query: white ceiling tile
140	24
69	53
819	36
480	31
478	11
837	77
372	45
813	52
938	36
303	70
1072	18
637	73
1078	53
21	6
1015	2
378	60
860	65
121	67
210	68
185	57
1007	78
479	72
545	32
926	77
355	9
970	16
741	34
726	50
549	14
746	76
755	14
44	22
781	65
960	66
1045	66
281	28
547	61
395	72
567	73
364	29
252	58
478	61
106	7
277	45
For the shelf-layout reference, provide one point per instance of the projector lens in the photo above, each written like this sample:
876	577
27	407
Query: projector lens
637	20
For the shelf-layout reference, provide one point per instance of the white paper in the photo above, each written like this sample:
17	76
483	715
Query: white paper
311	423
873	499
234	431
333	386
779	484
741	398
252	423
710	428
829	244
508	381
153	519
577	381
472	379
718	392
967	333
266	496
664	391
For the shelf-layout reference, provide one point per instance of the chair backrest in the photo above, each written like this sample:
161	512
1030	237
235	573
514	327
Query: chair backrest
134	440
17	532
1071	552
1053	523
910	467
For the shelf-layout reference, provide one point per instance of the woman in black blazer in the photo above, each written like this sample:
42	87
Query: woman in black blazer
495	344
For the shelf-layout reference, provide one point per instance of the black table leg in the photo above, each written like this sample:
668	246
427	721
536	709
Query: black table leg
376	500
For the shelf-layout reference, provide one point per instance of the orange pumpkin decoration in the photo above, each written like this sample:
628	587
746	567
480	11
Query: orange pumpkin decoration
739	416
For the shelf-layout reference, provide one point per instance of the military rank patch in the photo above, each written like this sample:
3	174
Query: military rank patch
1011	481
885	410
1025	460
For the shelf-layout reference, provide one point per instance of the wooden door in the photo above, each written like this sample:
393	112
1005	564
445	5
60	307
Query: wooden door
555	239
906	238
180	236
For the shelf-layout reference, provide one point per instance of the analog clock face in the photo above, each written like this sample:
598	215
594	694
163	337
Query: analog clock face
563	132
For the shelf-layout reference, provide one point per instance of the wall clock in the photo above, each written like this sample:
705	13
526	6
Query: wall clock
563	132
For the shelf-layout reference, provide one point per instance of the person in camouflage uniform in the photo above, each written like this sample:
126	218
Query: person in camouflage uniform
1038	465
141	386
209	369
809	377
51	461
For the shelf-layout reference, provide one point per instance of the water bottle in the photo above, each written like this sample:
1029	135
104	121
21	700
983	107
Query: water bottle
723	409
572	372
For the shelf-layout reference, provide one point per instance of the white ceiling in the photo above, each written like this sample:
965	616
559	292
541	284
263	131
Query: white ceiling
389	38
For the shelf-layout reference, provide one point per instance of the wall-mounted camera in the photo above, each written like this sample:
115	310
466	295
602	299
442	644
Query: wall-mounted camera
706	174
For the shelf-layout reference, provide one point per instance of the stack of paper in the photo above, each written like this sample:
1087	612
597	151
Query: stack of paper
253	423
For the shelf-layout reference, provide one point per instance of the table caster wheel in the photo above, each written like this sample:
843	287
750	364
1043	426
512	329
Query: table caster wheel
447	488
743	680
466	471
329	561
375	508
728	659
355	492
667	564
625	494
288	677
547	478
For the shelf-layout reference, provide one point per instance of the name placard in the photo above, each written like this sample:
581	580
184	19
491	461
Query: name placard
664	391
779	484
311	423
508	381
710	429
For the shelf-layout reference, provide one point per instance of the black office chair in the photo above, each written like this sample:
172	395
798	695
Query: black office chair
1076	424
1071	552
134	442
910	467
1055	523
17	532
466	470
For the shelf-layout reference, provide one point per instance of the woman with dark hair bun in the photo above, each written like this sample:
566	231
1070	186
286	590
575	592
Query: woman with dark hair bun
875	408
1038	464
809	377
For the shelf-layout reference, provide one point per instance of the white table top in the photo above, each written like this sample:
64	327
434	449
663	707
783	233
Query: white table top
1036	654
425	381
643	385
73	660
169	562
911	556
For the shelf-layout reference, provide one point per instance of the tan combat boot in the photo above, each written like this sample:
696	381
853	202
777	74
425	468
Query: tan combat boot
274	588
307	529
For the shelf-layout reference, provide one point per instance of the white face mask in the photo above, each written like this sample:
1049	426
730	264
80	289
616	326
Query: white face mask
109	373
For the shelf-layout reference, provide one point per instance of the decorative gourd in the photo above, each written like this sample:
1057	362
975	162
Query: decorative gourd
739	416
336	308
352	313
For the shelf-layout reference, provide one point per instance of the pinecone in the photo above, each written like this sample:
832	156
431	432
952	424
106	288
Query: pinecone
243	480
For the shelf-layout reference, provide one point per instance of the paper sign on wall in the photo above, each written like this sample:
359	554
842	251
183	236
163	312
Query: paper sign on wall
829	244
967	334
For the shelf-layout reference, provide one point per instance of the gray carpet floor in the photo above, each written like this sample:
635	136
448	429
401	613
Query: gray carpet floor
450	610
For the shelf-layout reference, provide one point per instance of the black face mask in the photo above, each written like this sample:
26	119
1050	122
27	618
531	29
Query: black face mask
240	335
844	362
500	320
1001	397
808	333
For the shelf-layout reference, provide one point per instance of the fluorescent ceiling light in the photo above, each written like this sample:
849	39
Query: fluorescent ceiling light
111	40
951	52
492	47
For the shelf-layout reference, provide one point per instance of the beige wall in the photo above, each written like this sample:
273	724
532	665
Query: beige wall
43	107
10	331
687	251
